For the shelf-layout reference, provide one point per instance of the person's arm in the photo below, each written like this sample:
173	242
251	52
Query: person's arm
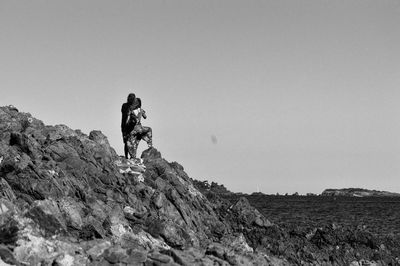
124	117
144	114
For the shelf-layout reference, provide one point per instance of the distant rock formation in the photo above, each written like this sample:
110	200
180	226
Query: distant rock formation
358	192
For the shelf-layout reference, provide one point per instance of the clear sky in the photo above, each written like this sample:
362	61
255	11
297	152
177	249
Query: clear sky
277	96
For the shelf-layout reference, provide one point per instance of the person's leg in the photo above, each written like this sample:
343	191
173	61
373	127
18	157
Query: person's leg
133	143
144	133
148	136
126	150
135	147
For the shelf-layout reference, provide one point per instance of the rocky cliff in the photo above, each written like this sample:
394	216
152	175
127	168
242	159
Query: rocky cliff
68	199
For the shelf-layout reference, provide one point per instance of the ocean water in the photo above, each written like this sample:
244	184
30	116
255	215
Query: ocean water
379	215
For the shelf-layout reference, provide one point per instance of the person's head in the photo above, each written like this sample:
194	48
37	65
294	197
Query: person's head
139	102
131	98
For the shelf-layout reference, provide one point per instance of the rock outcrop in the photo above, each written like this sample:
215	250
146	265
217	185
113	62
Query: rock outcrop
68	199
358	192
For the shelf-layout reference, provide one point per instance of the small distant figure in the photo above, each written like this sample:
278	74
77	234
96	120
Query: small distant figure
131	127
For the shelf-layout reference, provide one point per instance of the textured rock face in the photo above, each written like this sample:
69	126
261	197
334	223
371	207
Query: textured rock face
69	199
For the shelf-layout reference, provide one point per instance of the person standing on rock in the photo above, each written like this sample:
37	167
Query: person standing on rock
131	127
126	126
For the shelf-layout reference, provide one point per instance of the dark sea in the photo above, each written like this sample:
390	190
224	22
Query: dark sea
379	215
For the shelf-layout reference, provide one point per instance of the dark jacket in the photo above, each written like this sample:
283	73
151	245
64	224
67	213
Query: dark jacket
128	123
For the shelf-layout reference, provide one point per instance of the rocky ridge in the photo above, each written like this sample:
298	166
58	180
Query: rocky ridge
68	199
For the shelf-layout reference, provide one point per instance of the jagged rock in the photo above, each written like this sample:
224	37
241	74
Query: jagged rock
151	155
137	211
159	258
73	212
7	256
135	257
97	248
47	215
247	215
6	191
140	239
115	255
216	250
237	243
35	249
8	231
159	200
173	235
68	199
92	230
98	137
65	260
